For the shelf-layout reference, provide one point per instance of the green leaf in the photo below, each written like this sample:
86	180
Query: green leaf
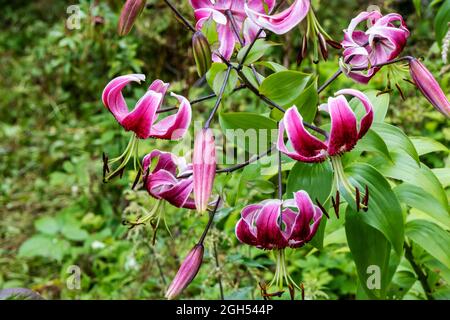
370	251
314	178
417	6
252	131
44	246
372	142
425	145
275	67
73	232
395	139
431	238
317	180
252	77
307	101
384	213
258	50
216	76
418	198
285	87
443	175
405	169
47	225
441	21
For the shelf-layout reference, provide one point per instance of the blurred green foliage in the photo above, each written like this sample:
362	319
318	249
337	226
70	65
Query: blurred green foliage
55	211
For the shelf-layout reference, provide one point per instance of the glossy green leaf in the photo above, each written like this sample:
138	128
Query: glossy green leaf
384	213
372	142
216	76
275	67
285	87
426	145
395	139
441	21
431	238
443	175
371	253
418	198
258	50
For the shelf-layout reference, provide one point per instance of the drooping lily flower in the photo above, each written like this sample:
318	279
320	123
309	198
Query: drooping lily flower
429	87
276	225
382	40
142	120
345	131
260	224
279	23
204	168
225	13
187	272
162	182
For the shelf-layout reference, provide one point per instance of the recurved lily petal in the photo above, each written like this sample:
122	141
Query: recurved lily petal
344	132
204	168
175	126
269	234
112	94
282	22
162	182
245	228
187	272
307	148
429	87
367	119
302	230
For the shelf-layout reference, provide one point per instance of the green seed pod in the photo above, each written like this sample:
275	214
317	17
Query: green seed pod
202	53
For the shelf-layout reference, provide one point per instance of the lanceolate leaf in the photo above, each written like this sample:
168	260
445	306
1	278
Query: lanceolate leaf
285	87
371	252
418	198
405	169
425	145
431	238
384	211
395	139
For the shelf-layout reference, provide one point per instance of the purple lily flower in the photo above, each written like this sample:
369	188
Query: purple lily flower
279	23
381	42
260	225
219	11
142	120
187	272
429	87
162	181
343	136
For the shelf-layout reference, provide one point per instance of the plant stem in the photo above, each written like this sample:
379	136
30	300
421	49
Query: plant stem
210	221
234	26
329	81
422	277
180	16
213	95
258	34
219	276
219	99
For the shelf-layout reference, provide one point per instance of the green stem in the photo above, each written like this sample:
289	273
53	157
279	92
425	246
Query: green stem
422	277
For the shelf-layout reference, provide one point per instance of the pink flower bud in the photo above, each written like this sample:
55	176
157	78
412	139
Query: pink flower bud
429	87
130	11
204	168
187	272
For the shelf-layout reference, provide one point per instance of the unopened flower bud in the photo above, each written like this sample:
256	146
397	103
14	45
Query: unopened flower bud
204	168
429	87
323	46
187	272
202	53
130	11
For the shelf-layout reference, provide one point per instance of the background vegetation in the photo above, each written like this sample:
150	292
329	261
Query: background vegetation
56	212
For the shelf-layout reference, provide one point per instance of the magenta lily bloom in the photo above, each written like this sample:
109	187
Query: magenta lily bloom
142	120
204	168
259	225
429	87
343	136
280	23
382	41
187	272
162	181
220	11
